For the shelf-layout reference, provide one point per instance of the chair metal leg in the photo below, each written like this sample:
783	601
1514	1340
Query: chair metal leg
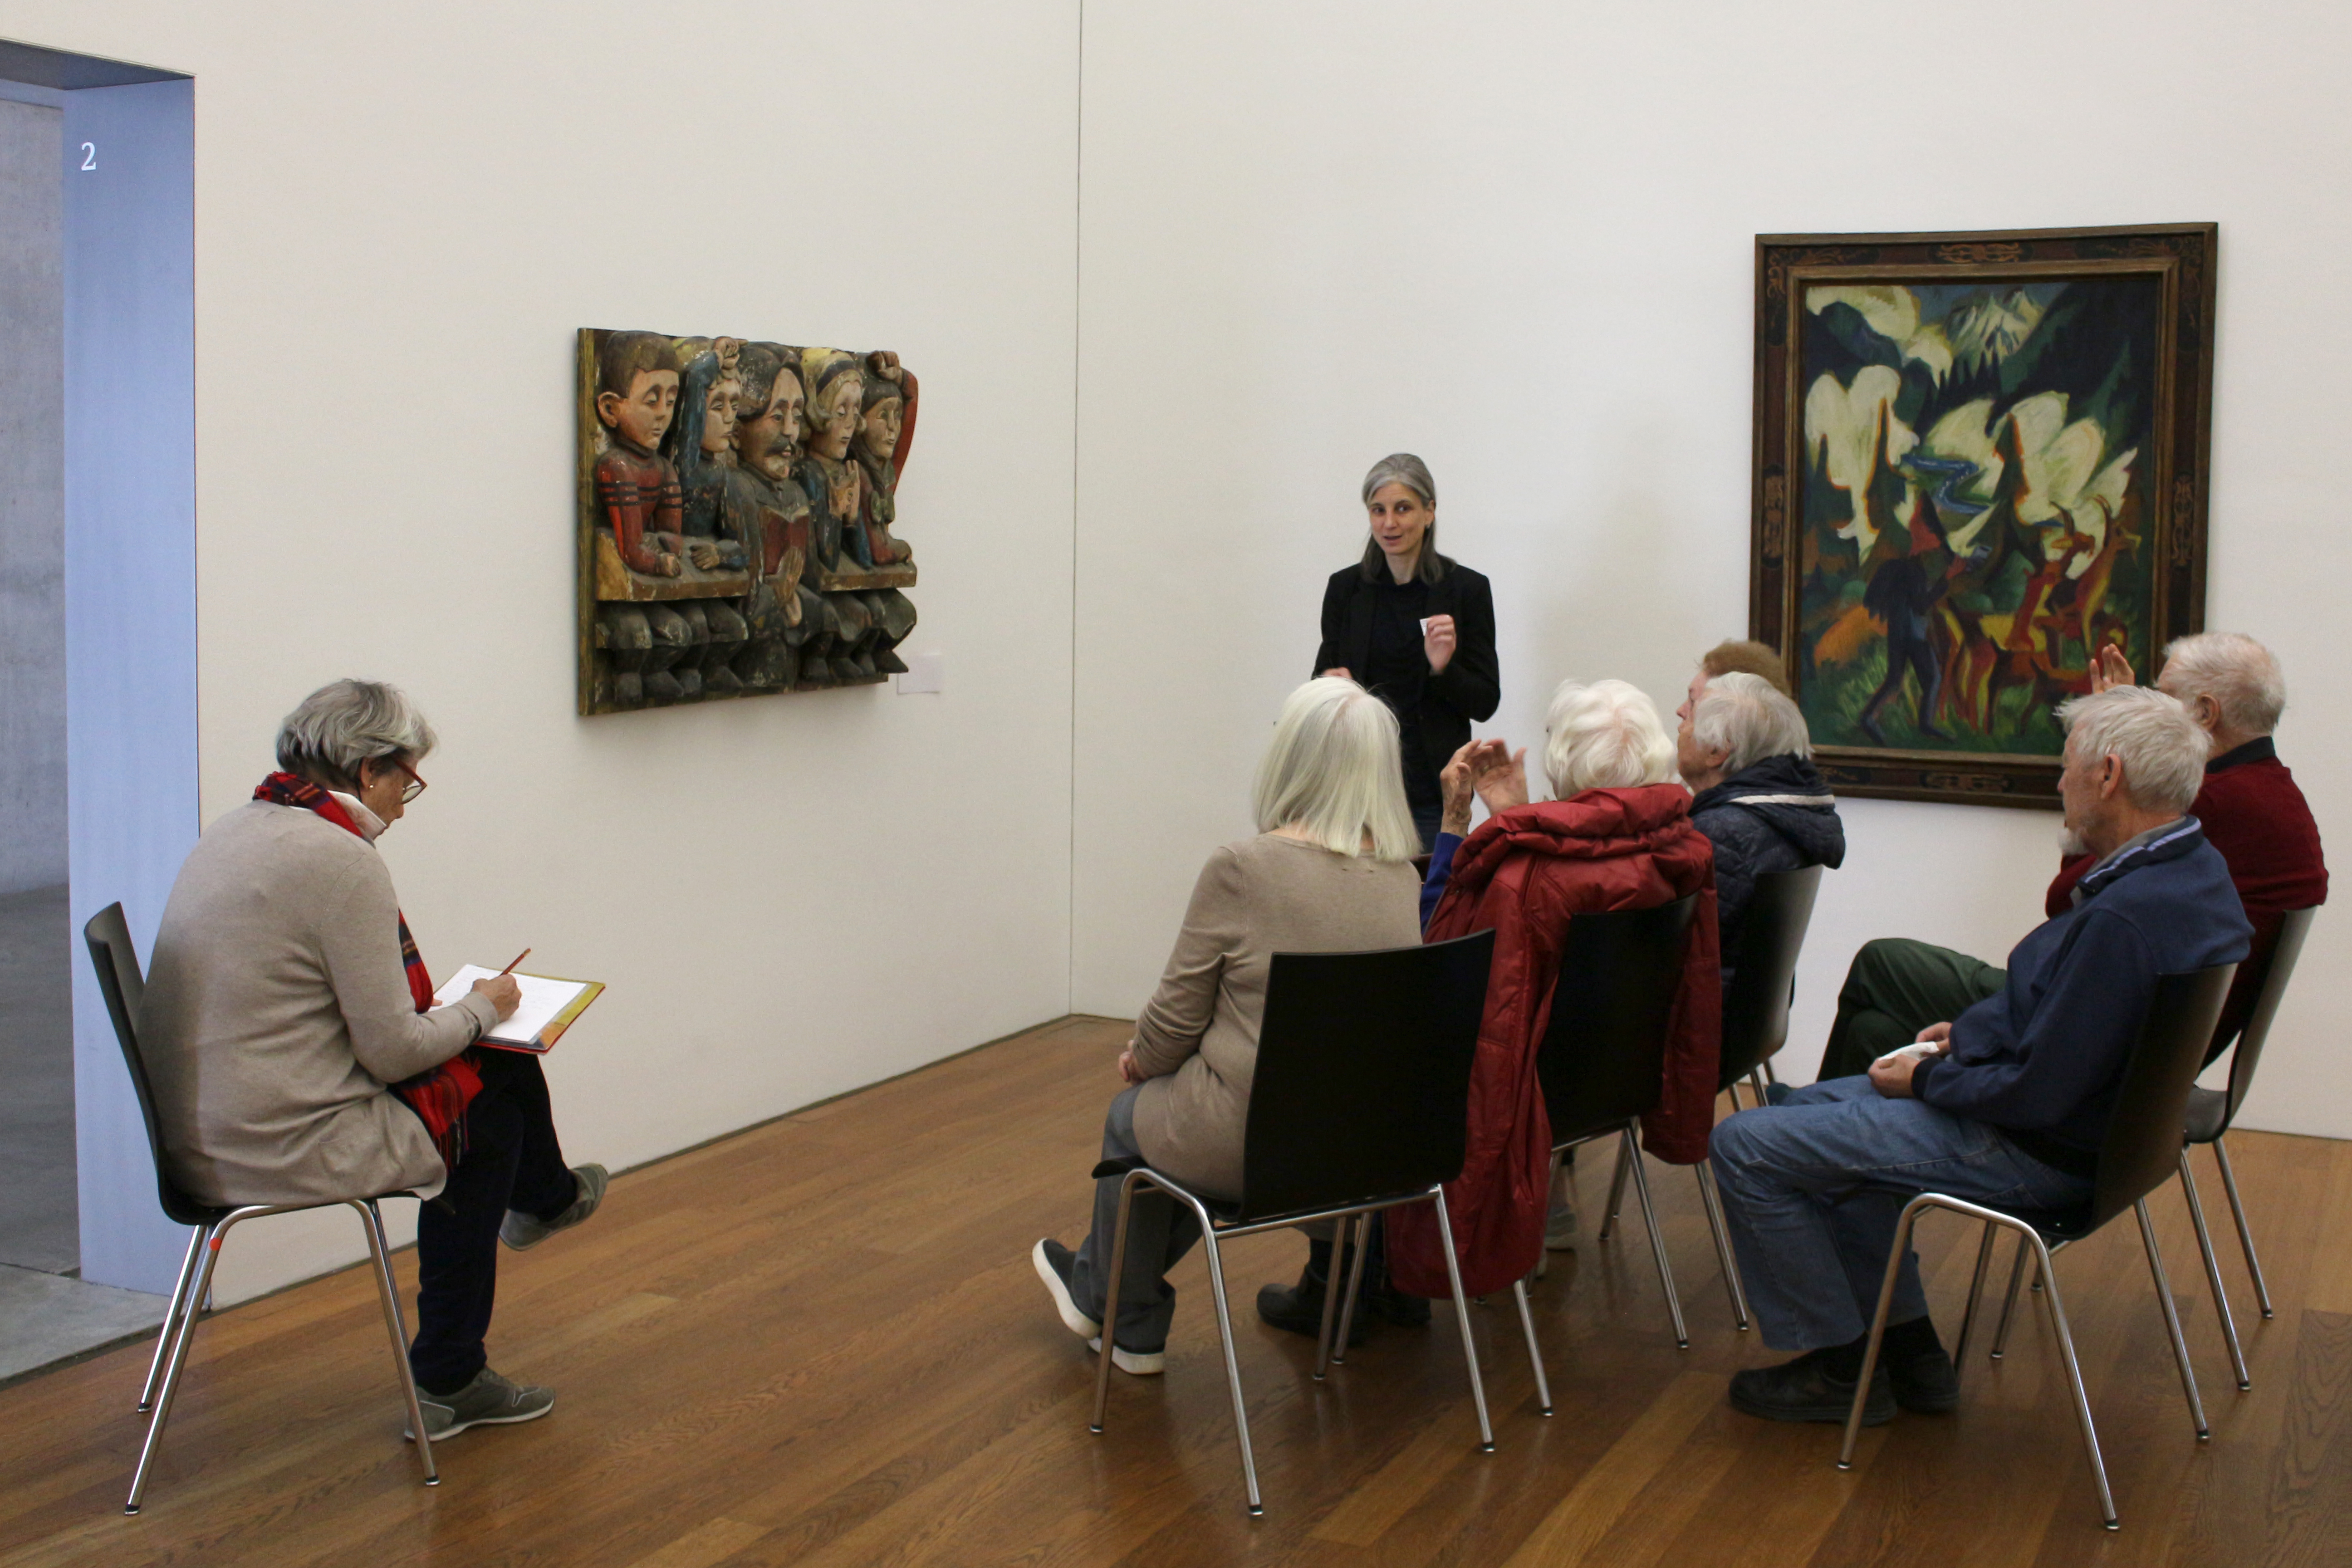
1903	1227
1111	1294
1657	1243
1617	1187
1355	1290
1232	1363
2171	1320
2213	1274
2238	1212
2075	1381
1535	1356
1722	1244
1766	1068
1976	1299
179	1356
2009	1301
389	1290
1331	1293
182	1292
1755	1082
1462	1318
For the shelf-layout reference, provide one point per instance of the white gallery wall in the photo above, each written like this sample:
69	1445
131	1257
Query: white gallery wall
1517	239
403	217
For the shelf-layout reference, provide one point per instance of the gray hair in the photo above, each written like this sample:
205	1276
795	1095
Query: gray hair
1332	768
2238	673
1746	718
1404	468
346	722
2162	748
1606	735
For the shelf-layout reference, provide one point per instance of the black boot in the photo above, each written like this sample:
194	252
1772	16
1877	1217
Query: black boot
1299	1308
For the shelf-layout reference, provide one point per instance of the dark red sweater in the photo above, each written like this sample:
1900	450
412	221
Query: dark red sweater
2257	819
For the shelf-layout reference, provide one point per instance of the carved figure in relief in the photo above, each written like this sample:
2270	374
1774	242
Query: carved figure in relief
836	389
886	429
638	497
768	514
702	444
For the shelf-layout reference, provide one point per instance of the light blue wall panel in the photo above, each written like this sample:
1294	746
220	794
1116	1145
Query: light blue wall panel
131	602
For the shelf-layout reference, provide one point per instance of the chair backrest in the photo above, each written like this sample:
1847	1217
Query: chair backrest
2272	967
1764	969
1362	1086
124	987
1604	1055
2142	1150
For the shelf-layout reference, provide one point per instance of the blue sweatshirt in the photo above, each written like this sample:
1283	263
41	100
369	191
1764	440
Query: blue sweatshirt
2044	1058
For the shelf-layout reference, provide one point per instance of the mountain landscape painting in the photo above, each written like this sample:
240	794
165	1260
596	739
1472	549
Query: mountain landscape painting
1980	461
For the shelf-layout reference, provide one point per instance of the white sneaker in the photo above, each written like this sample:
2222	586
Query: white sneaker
1052	1261
1135	1363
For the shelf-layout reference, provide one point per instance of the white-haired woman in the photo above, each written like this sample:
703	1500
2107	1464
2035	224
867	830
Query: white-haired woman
1329	871
296	1056
1617	836
1744	752
1413	627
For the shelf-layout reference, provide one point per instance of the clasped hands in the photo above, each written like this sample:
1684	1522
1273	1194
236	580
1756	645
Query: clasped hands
1890	1075
1489	770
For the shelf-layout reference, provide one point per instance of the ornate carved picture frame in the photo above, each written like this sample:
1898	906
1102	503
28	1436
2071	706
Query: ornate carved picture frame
1977	458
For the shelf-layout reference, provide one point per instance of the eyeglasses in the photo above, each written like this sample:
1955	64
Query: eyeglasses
414	787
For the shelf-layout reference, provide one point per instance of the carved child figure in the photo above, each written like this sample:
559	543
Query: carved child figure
636	490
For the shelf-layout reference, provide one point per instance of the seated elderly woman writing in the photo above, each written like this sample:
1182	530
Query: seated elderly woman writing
297	1054
1617	836
1329	871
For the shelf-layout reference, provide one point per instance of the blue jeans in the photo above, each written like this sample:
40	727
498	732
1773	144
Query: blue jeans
1812	1188
1159	1231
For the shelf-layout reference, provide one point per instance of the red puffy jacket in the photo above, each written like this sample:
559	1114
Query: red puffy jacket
1526	873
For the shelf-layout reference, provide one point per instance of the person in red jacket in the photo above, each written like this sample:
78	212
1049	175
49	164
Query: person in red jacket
1618	835
2252	812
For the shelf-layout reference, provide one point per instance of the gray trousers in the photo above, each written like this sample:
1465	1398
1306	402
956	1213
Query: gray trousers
1160	1230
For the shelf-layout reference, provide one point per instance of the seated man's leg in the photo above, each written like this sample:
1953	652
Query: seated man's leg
1895	988
1159	1231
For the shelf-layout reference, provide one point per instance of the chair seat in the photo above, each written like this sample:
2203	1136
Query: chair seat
2209	1114
1228	1212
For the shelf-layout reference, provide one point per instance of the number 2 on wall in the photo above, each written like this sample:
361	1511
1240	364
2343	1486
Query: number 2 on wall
89	155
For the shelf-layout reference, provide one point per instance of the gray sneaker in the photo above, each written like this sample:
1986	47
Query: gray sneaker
520	1230
489	1400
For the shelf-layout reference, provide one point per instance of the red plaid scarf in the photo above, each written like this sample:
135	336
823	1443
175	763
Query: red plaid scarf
439	1097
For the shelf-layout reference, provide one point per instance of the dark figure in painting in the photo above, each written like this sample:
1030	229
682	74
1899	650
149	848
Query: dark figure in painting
1902	595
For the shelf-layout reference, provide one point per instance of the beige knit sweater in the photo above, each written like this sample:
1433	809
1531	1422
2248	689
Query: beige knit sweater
277	1011
1197	1036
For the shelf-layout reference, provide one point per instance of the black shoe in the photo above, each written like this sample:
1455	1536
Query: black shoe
1927	1384
1298	1308
1806	1390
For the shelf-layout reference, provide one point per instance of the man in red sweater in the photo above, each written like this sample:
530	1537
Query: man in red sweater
2251	811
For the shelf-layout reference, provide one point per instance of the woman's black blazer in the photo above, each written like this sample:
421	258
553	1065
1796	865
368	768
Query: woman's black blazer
1470	687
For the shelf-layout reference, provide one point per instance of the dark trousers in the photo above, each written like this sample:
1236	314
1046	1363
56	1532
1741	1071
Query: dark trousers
513	1161
1160	1232
1895	988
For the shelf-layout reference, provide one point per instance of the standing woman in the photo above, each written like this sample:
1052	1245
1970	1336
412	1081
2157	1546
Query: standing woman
1414	628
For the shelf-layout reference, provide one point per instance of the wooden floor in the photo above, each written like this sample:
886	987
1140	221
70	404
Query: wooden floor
820	1343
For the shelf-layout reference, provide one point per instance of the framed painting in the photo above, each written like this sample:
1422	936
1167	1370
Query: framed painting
1980	458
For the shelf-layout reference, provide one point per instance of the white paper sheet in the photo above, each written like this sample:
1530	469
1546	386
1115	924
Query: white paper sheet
542	1000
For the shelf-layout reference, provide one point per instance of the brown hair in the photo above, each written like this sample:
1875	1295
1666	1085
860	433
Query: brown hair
623	357
1745	658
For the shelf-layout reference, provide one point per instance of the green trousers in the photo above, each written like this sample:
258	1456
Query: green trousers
1895	988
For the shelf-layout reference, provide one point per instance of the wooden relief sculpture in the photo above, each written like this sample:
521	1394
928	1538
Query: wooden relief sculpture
736	507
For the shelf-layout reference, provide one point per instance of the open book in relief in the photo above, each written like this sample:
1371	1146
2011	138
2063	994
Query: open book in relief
549	1006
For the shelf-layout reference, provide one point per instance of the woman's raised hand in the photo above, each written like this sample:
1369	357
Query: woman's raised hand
1457	783
1500	775
1437	642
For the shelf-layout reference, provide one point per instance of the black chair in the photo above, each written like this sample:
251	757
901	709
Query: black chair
1602	1061
2211	1110
1360	1103
2139	1155
1764	974
120	980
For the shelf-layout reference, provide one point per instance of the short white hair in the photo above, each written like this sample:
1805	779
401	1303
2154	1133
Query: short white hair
2162	748
1747	719
2238	673
1332	768
345	723
1606	735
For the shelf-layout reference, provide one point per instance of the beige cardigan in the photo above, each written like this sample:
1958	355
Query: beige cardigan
1197	1036
277	1011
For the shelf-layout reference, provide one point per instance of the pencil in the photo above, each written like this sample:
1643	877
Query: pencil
518	959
